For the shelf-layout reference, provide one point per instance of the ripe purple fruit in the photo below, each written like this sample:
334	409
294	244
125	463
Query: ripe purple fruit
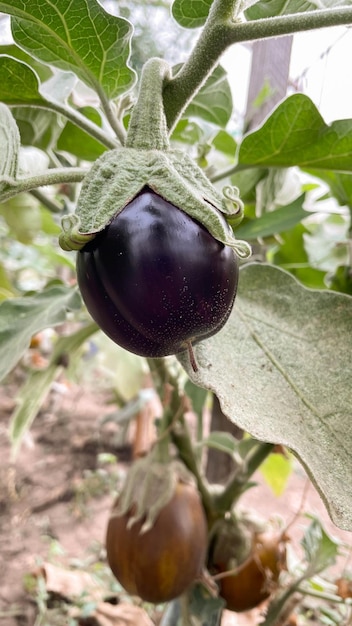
155	280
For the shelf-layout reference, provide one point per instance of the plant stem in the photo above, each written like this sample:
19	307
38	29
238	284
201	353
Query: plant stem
49	203
182	440
112	117
221	31
50	177
81	121
234	488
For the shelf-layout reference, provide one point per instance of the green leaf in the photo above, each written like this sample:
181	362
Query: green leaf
43	71
340	185
272	8
20	318
281	368
276	470
274	222
213	102
296	134
224	142
9	144
77	142
191	13
31	396
19	84
291	255
79	37
38	128
320	549
197	395
225	442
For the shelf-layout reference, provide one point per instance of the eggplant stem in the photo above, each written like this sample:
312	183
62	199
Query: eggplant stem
192	356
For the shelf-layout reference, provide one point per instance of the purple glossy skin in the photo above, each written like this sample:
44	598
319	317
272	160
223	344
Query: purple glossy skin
155	279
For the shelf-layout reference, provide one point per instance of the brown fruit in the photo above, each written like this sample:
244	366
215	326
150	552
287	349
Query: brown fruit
257	577
160	564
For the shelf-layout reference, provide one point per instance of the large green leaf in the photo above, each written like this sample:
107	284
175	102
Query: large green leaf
191	13
20	318
78	36
213	102
296	134
281	368
272	8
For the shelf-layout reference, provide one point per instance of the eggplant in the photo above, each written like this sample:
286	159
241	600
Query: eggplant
155	280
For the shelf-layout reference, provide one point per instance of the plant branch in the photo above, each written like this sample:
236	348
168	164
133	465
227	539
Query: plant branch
78	120
241	475
112	117
221	31
11	187
49	203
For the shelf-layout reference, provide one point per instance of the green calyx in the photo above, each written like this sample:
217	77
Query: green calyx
148	161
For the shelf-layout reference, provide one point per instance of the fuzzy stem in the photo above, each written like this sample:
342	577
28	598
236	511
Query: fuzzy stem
50	177
221	31
112	117
81	121
147	129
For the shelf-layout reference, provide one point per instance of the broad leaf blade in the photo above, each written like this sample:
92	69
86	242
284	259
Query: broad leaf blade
20	318
191	13
80	37
281	368
296	134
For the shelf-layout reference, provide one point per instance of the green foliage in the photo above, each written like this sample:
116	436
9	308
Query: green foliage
21	318
296	134
191	14
279	336
281	366
85	40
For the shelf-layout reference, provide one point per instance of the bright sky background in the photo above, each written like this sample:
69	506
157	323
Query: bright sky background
325	78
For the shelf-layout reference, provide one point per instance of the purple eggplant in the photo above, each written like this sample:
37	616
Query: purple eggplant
155	280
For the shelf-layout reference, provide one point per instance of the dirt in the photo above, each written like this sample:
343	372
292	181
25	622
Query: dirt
56	495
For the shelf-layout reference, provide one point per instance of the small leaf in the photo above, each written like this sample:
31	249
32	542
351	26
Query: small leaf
296	134
9	144
79	37
191	13
281	368
19	84
274	222
224	142
272	8
213	102
29	400
20	318
276	470
225	442
320	549
197	396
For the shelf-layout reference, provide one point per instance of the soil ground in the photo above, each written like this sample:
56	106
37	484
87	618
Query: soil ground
56	496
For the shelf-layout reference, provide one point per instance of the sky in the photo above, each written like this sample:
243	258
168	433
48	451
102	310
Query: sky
325	78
